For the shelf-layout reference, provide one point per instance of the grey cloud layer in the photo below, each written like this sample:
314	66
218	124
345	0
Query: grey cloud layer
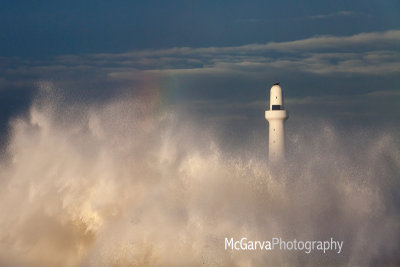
374	53
365	53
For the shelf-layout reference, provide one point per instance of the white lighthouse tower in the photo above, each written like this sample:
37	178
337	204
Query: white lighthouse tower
276	115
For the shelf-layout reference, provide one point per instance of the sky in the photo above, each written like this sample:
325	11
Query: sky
337	61
46	28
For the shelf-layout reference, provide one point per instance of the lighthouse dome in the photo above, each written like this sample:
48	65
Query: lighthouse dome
276	98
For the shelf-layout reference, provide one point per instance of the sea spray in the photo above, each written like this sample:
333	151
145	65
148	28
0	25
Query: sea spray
122	184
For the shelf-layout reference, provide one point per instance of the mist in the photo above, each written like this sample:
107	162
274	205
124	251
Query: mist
125	183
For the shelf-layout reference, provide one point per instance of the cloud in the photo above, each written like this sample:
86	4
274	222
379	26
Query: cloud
342	13
373	53
372	41
207	55
368	63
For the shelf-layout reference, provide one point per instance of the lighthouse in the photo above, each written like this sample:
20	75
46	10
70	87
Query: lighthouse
276	116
